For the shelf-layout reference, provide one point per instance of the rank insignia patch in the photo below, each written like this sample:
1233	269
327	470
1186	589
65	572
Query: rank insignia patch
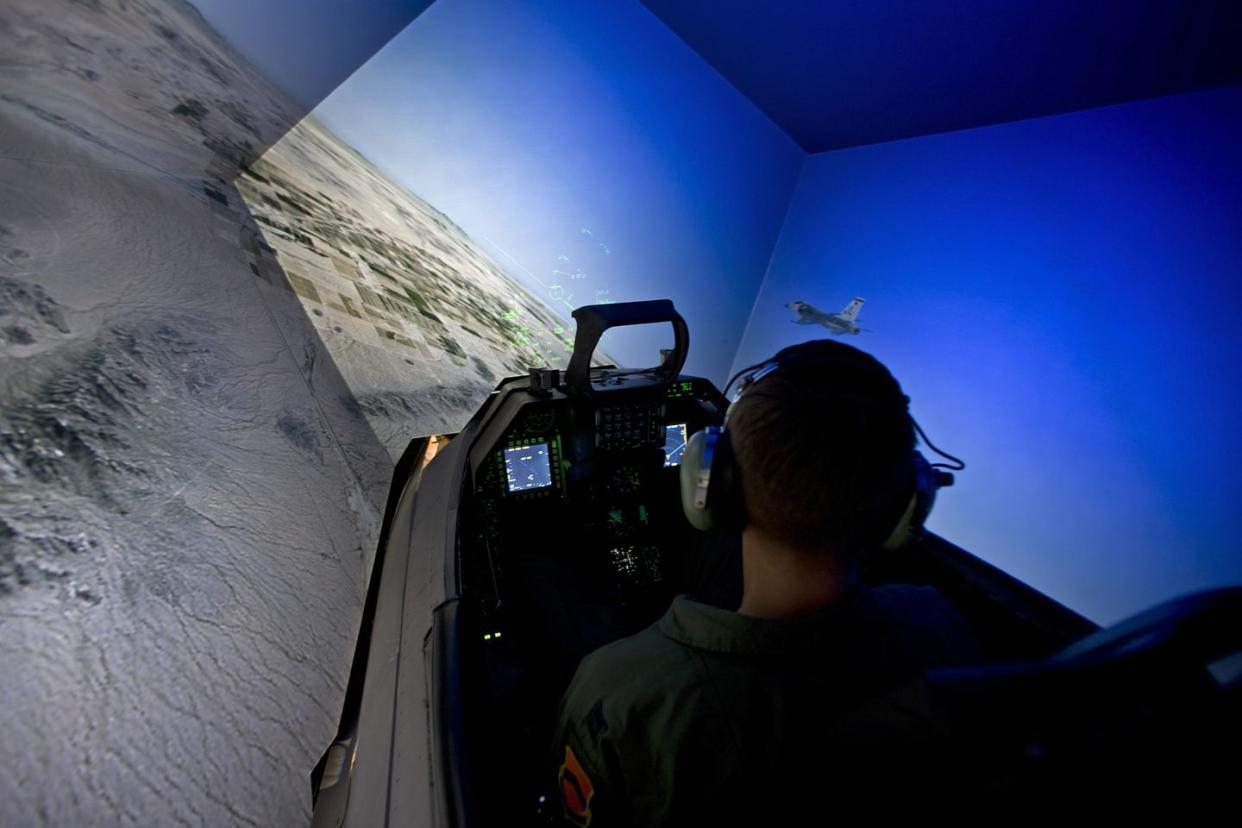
576	790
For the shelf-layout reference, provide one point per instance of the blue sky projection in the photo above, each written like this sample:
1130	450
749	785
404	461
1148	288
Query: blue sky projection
1060	297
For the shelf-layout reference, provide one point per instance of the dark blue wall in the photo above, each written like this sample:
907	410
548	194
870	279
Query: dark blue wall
838	75
308	47
1062	299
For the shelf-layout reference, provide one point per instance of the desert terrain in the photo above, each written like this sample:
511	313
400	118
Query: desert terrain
204	380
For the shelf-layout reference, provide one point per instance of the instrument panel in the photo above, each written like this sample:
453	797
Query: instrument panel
585	485
549	437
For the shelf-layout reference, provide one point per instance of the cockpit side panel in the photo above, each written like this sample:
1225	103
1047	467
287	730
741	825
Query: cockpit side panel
571	536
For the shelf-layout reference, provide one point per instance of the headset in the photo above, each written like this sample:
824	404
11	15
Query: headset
711	490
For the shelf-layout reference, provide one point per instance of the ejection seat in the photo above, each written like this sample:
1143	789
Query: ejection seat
1145	713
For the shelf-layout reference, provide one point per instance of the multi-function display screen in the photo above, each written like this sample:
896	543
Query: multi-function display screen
674	443
527	467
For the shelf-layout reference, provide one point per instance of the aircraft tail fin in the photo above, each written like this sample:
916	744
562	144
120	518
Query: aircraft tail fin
850	313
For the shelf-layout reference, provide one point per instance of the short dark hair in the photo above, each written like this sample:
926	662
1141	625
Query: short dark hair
823	445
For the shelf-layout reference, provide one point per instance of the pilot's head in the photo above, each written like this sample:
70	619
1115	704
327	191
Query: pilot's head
823	445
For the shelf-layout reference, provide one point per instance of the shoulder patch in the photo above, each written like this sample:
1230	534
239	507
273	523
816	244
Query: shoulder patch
576	790
596	724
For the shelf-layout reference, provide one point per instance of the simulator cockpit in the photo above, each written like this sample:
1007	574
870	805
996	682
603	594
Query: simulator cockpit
552	524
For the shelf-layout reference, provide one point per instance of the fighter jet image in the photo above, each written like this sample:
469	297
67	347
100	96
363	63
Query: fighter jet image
844	322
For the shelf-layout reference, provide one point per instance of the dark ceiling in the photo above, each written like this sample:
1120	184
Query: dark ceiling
841	73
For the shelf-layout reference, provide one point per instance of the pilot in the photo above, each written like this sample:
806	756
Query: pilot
734	716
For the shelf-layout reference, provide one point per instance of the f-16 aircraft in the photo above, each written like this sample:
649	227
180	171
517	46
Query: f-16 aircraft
844	322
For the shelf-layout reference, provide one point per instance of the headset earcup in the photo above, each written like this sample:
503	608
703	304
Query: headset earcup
700	517
910	526
901	533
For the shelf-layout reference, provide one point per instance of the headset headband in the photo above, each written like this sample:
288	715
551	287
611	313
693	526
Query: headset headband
901	503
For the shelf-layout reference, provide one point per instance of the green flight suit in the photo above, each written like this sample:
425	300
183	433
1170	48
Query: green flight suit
711	717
